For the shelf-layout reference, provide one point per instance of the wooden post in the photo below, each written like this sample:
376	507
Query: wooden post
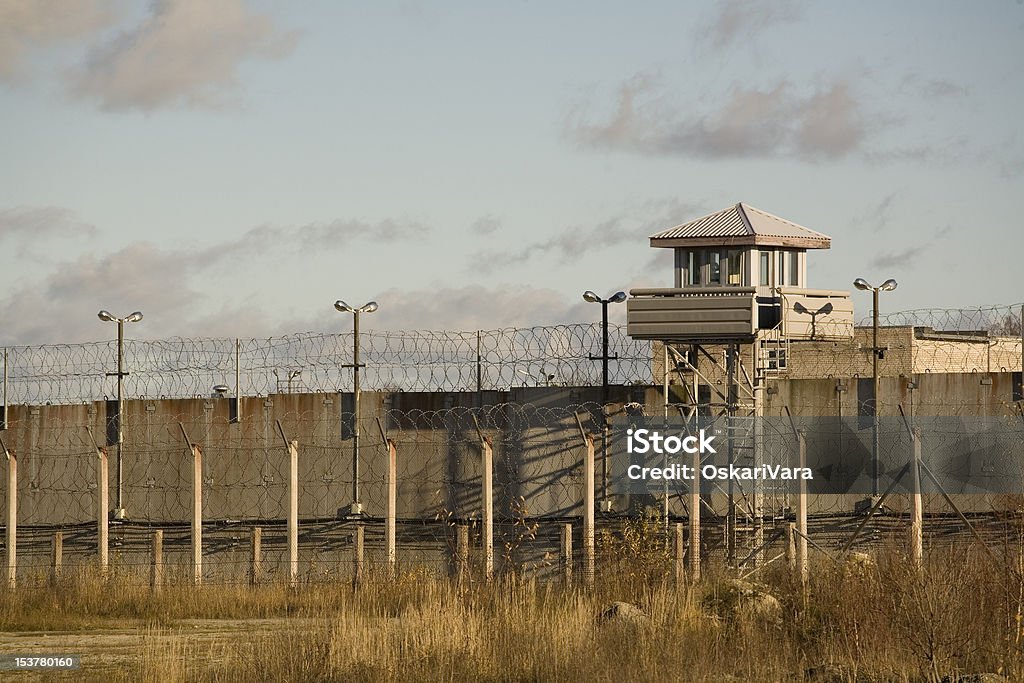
680	560
695	519
102	509
801	511
791	547
357	555
156	567
916	506
293	512
392	503
255	556
197	514
460	562
567	553
488	512
56	556
12	518
588	511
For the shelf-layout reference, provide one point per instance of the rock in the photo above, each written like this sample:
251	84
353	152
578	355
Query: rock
858	564
736	598
623	613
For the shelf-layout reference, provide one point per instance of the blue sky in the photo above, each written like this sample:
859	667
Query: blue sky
232	168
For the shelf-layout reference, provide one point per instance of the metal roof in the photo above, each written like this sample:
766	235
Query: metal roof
741	224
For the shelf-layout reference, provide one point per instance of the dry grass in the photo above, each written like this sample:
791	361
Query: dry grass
881	620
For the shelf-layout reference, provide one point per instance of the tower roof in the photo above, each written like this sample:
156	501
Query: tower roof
741	225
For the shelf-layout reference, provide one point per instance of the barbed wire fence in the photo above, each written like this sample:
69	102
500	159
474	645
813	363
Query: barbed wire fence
395	361
449	361
539	486
538	471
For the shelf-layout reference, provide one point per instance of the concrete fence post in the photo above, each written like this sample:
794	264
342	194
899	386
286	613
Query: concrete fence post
255	556
391	508
588	511
11	540
566	554
916	504
357	555
488	508
293	513
695	519
156	567
801	511
791	547
679	548
197	514
56	556
102	509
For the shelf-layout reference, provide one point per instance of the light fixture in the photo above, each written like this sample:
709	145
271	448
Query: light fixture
356	507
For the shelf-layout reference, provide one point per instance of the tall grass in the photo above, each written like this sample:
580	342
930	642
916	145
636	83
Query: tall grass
877	620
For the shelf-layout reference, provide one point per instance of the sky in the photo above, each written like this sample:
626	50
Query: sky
231	168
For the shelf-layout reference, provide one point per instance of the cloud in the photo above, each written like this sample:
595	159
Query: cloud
485	225
185	52
311	237
631	226
736	20
42	221
29	227
28	26
60	305
877	217
748	122
473	308
933	88
892	259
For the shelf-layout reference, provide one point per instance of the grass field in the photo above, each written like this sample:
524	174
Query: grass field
870	619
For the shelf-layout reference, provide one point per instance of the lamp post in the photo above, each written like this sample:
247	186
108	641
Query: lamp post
106	316
617	298
370	307
876	353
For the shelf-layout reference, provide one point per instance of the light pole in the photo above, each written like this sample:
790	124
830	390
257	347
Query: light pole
106	316
617	298
370	307
291	376
876	353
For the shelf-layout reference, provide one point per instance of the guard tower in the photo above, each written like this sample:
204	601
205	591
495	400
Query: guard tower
739	272
723	332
